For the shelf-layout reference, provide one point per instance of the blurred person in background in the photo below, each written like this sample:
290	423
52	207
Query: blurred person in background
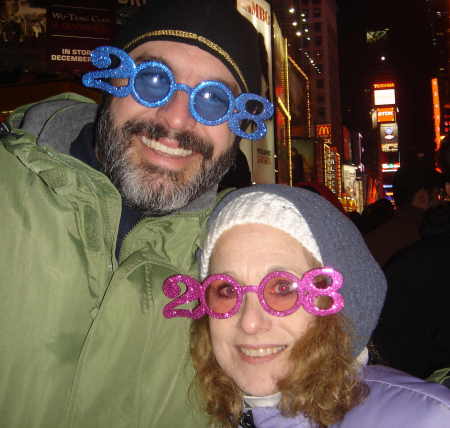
376	214
444	164
413	333
416	188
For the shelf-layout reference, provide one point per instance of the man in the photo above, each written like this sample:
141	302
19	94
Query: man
416	188
97	211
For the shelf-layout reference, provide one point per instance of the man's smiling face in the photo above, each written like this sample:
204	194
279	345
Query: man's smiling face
161	158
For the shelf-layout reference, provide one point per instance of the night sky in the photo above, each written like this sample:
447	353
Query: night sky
409	64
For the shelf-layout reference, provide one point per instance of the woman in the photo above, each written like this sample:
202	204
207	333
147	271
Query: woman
292	296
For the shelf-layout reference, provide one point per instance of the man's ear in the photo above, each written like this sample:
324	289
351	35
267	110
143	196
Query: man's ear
421	199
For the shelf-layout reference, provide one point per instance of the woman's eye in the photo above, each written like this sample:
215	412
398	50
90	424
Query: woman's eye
283	288
226	290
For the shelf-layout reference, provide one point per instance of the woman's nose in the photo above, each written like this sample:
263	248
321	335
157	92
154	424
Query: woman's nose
253	318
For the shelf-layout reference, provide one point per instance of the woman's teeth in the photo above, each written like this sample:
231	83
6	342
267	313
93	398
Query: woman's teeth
261	352
155	145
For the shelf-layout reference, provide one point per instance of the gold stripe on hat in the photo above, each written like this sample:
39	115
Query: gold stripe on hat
187	35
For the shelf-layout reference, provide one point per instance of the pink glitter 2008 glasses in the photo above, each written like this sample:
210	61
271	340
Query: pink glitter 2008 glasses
279	293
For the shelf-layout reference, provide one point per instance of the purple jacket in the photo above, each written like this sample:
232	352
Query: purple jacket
396	400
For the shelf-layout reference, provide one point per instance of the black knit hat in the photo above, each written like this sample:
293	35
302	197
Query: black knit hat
213	25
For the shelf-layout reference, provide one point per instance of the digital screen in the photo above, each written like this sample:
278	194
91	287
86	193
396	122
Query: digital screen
384	96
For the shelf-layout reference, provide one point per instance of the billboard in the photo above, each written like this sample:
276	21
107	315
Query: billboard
282	114
384	96
261	152
384	93
299	100
385	114
22	38
389	137
42	40
73	32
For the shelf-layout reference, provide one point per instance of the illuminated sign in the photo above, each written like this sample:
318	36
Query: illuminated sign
384	96
389	147
73	32
388	133
436	113
385	114
389	137
323	130
384	85
390	167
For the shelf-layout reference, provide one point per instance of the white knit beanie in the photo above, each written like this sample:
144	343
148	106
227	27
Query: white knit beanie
259	208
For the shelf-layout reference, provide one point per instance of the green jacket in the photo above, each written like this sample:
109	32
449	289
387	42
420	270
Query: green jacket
83	342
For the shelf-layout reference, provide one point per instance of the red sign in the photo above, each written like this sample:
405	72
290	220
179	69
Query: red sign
65	21
73	32
385	114
324	130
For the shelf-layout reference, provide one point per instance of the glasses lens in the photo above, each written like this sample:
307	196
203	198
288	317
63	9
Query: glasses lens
280	293
221	296
211	102
152	84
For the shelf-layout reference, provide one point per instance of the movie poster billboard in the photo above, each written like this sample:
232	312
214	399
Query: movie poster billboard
260	153
352	188
43	39
299	101
282	113
22	29
303	160
73	32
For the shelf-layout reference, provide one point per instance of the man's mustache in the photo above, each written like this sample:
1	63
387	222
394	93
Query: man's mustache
155	131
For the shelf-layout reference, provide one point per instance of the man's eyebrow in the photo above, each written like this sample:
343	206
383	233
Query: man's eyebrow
145	57
235	89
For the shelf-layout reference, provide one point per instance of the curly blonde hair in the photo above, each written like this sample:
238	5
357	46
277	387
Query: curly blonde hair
323	382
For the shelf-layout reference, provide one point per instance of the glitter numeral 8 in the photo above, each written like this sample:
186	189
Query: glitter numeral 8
312	292
243	114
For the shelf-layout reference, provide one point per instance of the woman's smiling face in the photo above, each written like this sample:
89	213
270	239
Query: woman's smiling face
253	347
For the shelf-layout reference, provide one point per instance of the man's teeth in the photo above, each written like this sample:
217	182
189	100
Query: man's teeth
155	145
261	352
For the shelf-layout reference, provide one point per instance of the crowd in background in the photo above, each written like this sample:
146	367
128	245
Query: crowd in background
412	244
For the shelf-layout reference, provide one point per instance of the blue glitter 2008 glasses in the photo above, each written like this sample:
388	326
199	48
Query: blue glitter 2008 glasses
153	84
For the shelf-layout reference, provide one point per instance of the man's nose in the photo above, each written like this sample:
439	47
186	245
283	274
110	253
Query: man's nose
175	114
253	318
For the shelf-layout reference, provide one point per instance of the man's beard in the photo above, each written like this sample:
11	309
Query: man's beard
149	188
